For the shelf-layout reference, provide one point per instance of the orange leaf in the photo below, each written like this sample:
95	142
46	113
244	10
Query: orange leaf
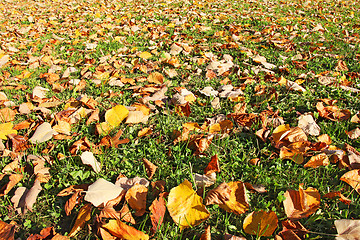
136	197
119	229
260	223
318	160
83	216
353	179
185	206
302	203
218	195
149	167
13	180
157	210
7	231
332	195
7	115
213	166
237	203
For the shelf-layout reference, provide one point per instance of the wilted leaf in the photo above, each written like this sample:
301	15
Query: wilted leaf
116	115
353	179
43	133
19	200
353	155
207	234
32	195
318	160
136	197
185	206
7	231
83	216
237	203
342	198
308	125
354	134
102	191
7	115
260	223
149	167
89	159
218	195
292	230
13	180
205	180
332	112
213	165
157	210
119	229
233	237
6	129
348	229
302	203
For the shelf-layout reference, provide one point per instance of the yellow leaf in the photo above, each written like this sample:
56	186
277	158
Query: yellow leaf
185	206
145	55
116	115
6	129
237	203
260	223
119	229
82	217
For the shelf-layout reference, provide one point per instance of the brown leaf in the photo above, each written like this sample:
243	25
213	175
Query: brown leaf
347	229
72	189
123	231
13	180
353	134
207	234
292	230
233	237
46	233
149	167
341	66
213	165
125	214
155	77
342	198
260	223
158	187
302	203
7	115
136	197
318	160
83	216
157	210
72	202
353	155
32	195
7	231
332	112
244	119
183	110
19	200
353	179
255	187
218	195
237	203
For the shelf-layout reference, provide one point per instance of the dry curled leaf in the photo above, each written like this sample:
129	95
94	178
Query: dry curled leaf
218	195
136	197
157	210
7	231
237	203
149	167
353	179
83	216
348	229
88	158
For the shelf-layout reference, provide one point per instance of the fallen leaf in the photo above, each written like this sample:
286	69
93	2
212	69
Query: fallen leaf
213	165
39	92
292	230
342	198
325	138
83	216
185	206
116	115
308	125
13	180
19	200
7	231
302	203
72	202
102	191
353	179
63	127
353	155
348	229
43	133
136	117
156	77
6	129
332	112
157	210
233	237
32	195
255	187
354	134
218	195
205	180
88	158
119	229
145	132
149	167
260	223
7	115
206	234
145	55
318	160
136	197
237	203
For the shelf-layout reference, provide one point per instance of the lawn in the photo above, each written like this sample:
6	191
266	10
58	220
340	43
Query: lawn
165	101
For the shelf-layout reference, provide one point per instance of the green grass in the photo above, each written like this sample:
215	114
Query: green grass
257	25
